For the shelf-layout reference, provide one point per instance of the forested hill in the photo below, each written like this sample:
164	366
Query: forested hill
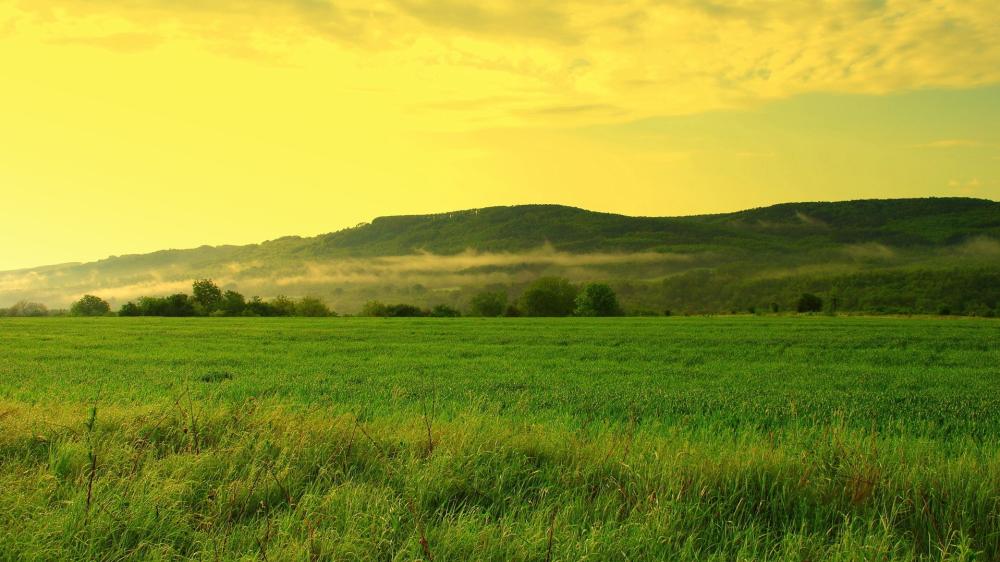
925	222
906	222
447	255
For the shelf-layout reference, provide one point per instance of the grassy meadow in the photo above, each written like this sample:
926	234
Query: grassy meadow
726	438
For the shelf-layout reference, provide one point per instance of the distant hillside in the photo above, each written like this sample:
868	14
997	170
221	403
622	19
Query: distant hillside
443	257
908	222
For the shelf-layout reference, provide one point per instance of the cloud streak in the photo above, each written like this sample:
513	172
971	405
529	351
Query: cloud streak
118	42
952	143
568	59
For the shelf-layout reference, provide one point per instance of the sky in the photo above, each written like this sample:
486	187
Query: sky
138	125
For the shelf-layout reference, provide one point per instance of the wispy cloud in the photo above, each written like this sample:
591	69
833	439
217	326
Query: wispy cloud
980	246
647	57
118	42
756	153
576	109
968	187
544	20
951	143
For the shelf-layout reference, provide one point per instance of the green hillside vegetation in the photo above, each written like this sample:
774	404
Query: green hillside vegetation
901	256
902	222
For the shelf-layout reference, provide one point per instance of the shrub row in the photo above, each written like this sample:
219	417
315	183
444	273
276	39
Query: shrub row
207	299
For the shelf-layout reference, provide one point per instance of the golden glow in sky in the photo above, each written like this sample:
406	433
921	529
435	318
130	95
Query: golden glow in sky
135	126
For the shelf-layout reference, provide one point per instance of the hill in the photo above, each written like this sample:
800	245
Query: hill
902	221
707	263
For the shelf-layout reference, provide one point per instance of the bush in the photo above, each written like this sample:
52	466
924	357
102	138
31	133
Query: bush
281	306
512	311
257	307
809	302
206	295
174	305
25	308
488	303
444	311
178	305
151	306
549	296
376	308
89	305
597	299
404	311
233	303
312	306
129	309
642	312
373	308
228	303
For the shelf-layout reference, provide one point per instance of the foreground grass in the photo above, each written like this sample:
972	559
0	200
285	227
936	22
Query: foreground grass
648	440
261	481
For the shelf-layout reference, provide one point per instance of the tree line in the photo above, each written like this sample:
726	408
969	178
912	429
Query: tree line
969	291
546	296
208	299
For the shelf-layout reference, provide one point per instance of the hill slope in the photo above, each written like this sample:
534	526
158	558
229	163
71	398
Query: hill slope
444	256
901	221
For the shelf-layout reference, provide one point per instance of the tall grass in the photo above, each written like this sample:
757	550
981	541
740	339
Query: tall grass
810	439
271	482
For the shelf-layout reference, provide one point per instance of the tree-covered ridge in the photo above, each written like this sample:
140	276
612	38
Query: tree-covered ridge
899	221
708	263
909	222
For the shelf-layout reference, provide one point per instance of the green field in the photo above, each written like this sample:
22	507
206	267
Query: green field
729	438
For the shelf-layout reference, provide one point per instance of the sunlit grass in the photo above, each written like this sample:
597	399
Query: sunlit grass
683	439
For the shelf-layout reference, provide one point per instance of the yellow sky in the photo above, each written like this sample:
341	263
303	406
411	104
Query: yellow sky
131	126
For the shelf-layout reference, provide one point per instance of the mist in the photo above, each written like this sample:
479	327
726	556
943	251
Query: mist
343	281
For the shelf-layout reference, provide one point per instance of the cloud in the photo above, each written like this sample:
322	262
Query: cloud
968	187
951	143
118	42
568	57
811	221
544	20
756	153
869	251
980	246
591	108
